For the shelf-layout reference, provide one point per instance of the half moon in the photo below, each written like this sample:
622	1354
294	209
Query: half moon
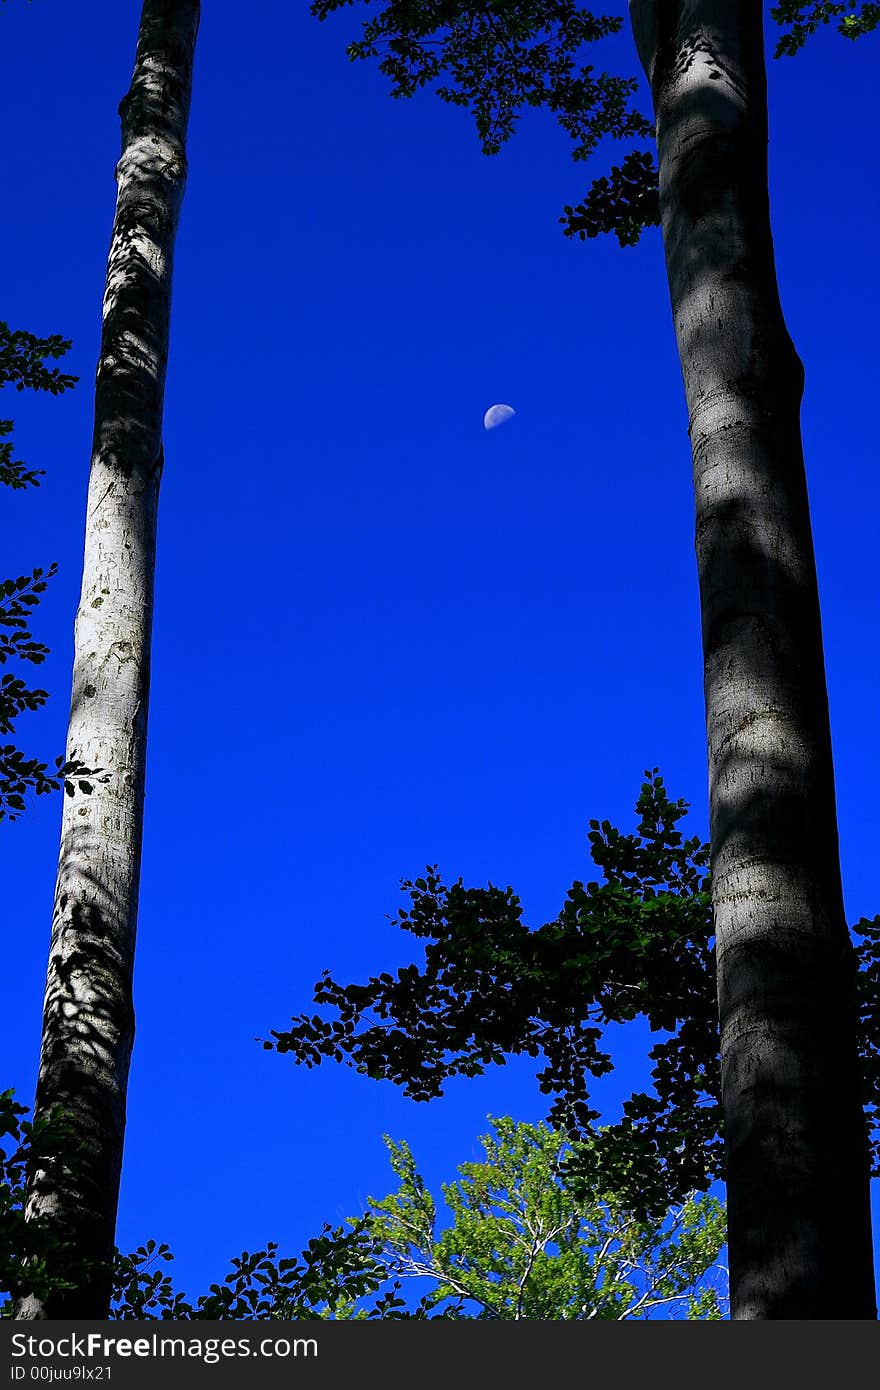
497	415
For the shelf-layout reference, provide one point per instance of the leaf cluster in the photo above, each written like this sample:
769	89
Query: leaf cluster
804	19
34	1258
337	1270
18	773
496	59
867	933
22	364
624	203
17	598
638	944
525	1242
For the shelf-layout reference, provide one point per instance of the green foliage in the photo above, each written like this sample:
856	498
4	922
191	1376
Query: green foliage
803	20
497	59
637	944
527	1239
527	1242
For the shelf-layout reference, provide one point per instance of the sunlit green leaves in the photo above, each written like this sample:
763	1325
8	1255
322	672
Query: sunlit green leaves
525	1242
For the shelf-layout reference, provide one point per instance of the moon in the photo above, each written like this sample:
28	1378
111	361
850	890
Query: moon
497	415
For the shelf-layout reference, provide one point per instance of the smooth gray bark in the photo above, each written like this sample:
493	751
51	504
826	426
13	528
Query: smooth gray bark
796	1150
88	1019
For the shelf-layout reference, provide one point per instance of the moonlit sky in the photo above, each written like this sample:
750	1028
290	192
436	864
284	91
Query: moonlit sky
385	636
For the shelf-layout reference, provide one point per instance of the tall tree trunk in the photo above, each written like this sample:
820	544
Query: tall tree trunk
88	1019
796	1150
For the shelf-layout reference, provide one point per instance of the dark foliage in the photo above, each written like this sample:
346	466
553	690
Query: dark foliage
638	944
22	364
496	59
803	20
590	1257
32	1256
624	204
339	1269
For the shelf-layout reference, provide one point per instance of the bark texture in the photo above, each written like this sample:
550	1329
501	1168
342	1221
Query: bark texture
88	1019
796	1151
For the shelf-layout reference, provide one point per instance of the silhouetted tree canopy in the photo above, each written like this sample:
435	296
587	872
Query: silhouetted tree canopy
800	21
639	943
497	59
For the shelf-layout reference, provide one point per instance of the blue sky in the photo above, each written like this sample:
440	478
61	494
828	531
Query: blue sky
385	637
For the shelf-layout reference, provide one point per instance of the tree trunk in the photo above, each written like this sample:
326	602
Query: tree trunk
796	1149
88	1019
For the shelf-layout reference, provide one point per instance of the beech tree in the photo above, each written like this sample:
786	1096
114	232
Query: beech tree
790	1085
793	1123
88	1018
